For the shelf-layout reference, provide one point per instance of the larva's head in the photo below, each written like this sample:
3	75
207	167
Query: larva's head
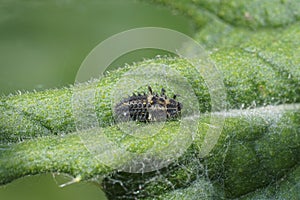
173	108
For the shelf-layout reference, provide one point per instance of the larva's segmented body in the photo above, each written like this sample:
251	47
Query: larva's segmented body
148	107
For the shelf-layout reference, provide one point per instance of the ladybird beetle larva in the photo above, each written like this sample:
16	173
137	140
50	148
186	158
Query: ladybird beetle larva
148	107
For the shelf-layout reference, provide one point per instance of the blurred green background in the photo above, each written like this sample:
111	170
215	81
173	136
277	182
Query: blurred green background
42	44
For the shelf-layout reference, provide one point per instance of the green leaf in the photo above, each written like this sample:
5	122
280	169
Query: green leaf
255	45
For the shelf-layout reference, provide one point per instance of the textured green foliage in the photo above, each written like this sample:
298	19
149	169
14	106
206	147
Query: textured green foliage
253	34
245	139
254	14
287	188
255	45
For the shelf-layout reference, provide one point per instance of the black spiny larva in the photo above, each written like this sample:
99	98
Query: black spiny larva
148	107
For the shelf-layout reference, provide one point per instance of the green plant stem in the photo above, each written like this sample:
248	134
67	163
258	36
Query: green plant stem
260	67
257	143
256	148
